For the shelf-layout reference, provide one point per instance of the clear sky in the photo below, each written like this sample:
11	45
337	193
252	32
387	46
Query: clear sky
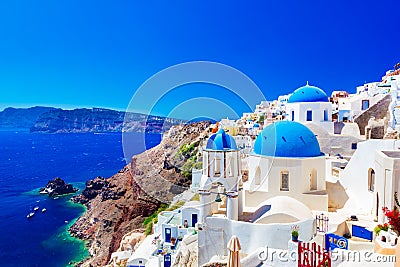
97	53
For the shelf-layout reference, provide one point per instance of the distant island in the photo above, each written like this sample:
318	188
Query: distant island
96	120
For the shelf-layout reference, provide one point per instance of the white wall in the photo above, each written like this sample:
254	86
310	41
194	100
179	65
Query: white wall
215	235
354	177
299	180
174	230
244	143
386	184
300	113
196	178
137	262
187	214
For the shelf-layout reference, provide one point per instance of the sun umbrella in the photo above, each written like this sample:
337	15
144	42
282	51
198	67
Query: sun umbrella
234	248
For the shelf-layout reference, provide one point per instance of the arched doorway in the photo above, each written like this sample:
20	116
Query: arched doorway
371	180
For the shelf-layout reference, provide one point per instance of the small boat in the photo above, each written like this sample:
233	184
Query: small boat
36	208
44	210
30	215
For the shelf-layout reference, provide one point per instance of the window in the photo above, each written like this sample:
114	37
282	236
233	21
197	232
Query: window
217	166
371	180
313	180
257	176
353	146
292	115
326	115
309	115
231	167
364	104
284	181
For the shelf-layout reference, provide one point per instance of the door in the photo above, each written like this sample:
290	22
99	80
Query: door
167	234
194	219
364	104
361	232
167	260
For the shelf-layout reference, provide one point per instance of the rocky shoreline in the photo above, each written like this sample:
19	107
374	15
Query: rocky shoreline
118	205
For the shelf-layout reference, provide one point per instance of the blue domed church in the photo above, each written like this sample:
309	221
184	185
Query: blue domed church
310	104
286	161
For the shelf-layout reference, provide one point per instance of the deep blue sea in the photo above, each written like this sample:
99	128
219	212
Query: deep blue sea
27	162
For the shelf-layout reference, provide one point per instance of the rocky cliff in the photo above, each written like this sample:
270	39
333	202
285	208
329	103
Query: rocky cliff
118	205
100	120
11	118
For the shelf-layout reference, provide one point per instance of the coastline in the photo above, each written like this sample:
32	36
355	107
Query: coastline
62	236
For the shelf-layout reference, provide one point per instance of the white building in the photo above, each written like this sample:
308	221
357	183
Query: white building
371	177
309	104
287	161
244	143
350	107
279	194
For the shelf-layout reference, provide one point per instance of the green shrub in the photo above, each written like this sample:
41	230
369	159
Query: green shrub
149	229
196	197
381	227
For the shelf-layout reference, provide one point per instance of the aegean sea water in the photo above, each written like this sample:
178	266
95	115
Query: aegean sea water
27	162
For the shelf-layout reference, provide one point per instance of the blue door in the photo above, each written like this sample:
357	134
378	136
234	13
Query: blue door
167	260
194	219
167	234
365	104
361	232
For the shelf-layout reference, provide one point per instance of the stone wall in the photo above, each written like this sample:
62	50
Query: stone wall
379	111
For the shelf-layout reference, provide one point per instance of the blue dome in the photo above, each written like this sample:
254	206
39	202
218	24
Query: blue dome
221	141
287	139
308	93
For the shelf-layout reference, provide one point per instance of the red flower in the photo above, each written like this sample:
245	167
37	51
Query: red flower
393	217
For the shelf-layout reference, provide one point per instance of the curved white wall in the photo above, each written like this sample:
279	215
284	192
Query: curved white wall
217	232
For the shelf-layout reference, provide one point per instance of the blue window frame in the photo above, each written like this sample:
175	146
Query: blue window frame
309	115
326	115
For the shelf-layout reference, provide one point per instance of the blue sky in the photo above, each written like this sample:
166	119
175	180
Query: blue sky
97	53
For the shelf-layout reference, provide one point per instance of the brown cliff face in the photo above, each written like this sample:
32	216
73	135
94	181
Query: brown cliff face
119	204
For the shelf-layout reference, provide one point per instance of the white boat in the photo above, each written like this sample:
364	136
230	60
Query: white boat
44	210
36	208
30	215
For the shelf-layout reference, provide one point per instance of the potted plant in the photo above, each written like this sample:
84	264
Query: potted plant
295	233
381	227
